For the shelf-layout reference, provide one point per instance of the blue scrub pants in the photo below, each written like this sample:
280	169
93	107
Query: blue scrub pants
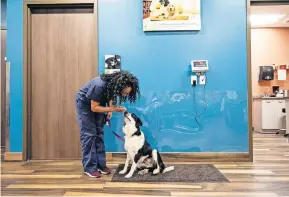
91	136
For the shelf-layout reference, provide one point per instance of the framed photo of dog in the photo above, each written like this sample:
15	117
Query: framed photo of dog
112	64
171	15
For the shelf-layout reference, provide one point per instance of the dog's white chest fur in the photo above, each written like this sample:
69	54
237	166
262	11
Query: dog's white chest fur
134	143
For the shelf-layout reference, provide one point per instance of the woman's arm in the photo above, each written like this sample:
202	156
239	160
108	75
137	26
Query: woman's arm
95	107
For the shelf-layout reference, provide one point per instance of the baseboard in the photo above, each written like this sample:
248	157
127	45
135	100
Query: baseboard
13	156
189	157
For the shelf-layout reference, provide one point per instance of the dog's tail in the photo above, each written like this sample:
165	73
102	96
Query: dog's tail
168	169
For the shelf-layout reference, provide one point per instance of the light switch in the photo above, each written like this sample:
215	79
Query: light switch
202	79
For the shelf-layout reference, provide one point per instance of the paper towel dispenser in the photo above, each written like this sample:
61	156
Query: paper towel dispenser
266	73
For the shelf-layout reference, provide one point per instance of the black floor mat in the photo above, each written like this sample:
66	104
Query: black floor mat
194	173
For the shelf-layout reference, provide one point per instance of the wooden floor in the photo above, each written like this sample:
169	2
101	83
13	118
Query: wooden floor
267	176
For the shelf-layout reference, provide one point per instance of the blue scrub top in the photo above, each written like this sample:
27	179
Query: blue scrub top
94	90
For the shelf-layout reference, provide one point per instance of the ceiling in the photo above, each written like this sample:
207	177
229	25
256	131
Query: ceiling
270	16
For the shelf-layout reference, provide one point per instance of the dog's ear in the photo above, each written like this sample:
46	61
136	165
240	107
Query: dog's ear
137	120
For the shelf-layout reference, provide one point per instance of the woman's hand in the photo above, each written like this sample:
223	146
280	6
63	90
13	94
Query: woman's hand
119	109
109	115
95	107
122	109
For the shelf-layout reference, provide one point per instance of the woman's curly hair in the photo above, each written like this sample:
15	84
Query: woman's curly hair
117	82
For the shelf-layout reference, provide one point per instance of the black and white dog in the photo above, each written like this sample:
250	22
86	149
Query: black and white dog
139	151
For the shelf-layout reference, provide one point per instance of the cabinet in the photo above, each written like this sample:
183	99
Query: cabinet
272	115
267	114
280	117
287	115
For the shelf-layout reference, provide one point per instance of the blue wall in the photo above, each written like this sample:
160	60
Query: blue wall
161	61
15	56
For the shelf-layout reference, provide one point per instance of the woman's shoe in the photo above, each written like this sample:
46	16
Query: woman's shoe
105	170
93	174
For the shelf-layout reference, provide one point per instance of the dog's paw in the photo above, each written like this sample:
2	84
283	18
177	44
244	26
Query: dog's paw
128	176
122	172
156	171
143	172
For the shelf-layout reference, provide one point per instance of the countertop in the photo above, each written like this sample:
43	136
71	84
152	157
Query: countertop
270	98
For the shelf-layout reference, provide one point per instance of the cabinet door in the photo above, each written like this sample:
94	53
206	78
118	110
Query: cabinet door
267	114
279	116
287	115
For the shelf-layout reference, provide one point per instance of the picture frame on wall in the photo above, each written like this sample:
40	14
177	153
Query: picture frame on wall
171	15
112	64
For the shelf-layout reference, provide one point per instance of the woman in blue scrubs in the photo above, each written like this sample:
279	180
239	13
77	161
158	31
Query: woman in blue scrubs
95	102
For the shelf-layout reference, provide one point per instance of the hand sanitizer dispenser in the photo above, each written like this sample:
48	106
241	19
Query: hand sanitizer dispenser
266	73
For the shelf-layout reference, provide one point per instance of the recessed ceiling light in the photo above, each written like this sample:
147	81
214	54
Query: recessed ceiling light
265	19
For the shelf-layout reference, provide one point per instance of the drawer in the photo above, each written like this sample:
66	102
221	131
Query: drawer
273	101
267	102
280	101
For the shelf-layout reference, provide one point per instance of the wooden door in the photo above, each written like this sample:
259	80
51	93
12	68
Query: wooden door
62	60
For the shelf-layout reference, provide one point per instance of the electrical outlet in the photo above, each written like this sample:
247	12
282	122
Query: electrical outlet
194	79
202	80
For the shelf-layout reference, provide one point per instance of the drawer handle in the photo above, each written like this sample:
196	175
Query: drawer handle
280	101
268	102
